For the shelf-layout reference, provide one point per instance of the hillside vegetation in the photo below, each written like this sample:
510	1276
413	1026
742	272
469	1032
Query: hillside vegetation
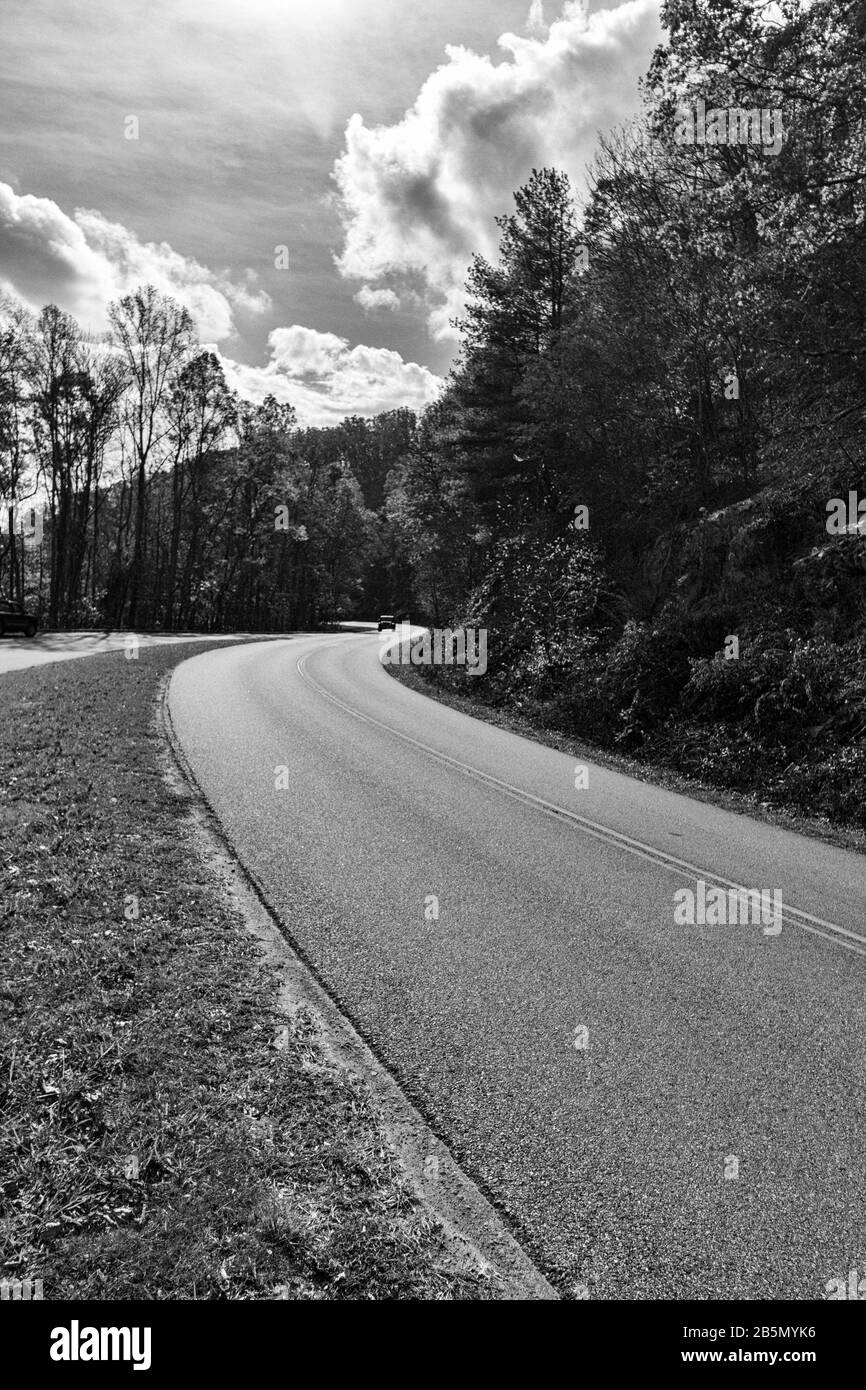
630	481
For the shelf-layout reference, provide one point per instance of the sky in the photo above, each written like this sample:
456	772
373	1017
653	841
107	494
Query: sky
310	177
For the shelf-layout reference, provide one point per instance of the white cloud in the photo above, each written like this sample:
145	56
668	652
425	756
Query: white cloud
305	353
419	197
377	299
325	379
84	261
535	21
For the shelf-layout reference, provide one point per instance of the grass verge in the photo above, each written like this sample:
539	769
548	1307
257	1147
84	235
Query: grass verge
165	1132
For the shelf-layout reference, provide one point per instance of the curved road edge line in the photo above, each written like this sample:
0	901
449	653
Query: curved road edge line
466	1214
793	916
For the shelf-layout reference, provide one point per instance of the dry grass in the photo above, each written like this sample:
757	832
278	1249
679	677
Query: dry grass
159	1138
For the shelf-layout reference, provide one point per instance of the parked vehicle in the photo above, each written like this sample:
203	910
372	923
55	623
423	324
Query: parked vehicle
14	618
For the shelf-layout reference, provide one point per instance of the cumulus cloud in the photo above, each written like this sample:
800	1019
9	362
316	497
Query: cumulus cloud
535	21
325	379
84	261
377	299
419	197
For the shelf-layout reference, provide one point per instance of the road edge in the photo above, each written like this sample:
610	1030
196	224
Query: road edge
510	720
442	1186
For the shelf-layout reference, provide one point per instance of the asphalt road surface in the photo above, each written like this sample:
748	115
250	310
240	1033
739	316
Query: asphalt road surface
661	1110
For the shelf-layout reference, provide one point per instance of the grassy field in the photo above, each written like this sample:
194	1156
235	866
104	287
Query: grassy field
164	1133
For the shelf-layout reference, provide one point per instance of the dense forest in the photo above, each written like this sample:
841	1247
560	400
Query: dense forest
684	356
168	502
629	479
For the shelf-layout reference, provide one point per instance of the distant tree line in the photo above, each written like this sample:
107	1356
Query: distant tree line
169	502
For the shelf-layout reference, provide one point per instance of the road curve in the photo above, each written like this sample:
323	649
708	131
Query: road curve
663	1111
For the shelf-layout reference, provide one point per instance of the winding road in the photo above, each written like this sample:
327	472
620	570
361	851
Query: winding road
661	1110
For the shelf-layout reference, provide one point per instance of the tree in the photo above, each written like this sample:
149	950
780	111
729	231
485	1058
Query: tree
515	315
15	327
202	412
153	336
